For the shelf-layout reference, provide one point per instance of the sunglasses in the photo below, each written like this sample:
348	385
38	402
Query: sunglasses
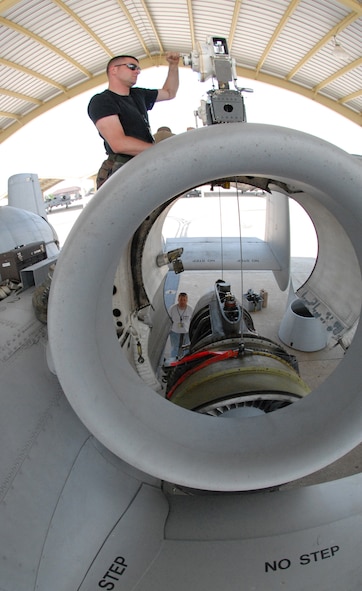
129	66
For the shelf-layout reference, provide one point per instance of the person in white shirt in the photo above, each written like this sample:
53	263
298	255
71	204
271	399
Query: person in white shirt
180	315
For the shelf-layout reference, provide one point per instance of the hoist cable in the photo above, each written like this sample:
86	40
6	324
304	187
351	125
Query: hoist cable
221	238
241	256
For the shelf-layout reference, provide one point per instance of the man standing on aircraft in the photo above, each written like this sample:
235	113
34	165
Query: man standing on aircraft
120	112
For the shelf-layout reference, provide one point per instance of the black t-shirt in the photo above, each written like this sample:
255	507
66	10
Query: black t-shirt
131	110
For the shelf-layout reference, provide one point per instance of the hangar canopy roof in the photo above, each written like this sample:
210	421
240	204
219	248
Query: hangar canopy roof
53	50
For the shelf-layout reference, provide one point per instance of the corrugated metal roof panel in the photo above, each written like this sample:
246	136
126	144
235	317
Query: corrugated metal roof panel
269	39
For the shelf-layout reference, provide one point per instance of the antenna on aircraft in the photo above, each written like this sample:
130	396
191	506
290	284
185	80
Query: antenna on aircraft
212	60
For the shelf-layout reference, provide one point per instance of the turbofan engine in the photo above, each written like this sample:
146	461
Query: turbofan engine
230	370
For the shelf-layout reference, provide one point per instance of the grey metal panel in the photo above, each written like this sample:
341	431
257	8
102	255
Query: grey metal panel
37	273
99	497
137	539
249	541
339	309
226	253
35	423
277	236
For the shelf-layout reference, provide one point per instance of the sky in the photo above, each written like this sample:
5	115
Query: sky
63	143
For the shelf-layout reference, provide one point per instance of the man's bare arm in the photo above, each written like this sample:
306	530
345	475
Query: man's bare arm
112	131
170	87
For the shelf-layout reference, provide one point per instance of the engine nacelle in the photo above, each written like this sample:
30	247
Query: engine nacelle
127	416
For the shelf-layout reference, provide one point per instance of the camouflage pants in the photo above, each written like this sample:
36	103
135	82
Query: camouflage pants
110	166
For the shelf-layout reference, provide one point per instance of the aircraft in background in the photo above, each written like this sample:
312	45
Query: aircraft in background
115	477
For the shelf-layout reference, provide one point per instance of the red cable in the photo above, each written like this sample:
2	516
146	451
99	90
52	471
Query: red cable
213	357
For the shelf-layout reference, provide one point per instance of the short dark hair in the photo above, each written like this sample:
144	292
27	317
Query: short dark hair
117	57
183	294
